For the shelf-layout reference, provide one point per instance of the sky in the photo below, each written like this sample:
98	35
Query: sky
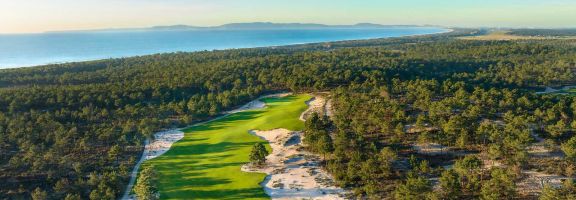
26	16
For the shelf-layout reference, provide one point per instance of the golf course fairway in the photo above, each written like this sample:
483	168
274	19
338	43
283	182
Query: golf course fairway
206	163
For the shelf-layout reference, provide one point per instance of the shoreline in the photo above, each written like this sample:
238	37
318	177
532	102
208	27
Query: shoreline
72	61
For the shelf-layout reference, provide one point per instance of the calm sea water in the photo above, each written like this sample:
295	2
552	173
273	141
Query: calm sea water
20	50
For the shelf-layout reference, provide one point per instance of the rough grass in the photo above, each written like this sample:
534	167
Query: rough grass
206	163
572	92
569	92
505	35
498	35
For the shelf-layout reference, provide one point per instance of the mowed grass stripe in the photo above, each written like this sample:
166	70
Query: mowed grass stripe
206	163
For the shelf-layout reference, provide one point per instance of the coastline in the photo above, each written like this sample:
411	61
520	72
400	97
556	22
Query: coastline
9	66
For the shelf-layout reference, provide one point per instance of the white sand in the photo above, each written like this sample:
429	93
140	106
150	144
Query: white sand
548	90
412	128
163	141
315	105
249	106
292	172
539	149
533	182
328	108
257	103
431	149
160	145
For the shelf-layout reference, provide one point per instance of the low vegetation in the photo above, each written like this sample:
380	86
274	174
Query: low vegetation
145	188
75	130
206	163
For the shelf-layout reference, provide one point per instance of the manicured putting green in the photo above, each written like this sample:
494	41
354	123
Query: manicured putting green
206	163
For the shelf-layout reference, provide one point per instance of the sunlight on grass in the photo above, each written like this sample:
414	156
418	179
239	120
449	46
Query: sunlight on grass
206	163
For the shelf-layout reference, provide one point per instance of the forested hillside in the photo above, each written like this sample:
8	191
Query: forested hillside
75	130
545	32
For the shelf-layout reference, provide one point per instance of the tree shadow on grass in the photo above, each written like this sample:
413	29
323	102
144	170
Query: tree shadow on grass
205	148
225	121
226	194
290	98
188	169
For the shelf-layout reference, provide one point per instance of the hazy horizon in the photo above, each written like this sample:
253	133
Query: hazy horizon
34	16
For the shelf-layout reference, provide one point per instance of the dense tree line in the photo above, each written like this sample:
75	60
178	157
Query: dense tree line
75	130
371	135
544	32
145	187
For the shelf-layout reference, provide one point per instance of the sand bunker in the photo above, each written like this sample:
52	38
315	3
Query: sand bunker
164	140
552	90
540	149
249	106
160	145
292	172
257	103
315	105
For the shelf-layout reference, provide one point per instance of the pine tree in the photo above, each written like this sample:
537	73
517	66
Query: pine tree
413	188
500	186
39	194
258	154
569	148
450	184
145	187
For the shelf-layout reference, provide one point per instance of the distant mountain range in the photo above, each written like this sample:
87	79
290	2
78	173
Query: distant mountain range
255	26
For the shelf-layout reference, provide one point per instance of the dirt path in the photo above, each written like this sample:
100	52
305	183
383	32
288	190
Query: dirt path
533	182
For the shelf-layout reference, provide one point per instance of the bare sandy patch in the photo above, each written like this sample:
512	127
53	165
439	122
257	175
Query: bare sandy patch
431	149
533	182
315	105
328	108
159	145
293	173
163	140
255	104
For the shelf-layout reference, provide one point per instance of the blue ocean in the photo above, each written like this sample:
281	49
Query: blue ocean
22	50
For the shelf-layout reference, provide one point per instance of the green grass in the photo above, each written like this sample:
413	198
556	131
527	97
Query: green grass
569	92
206	163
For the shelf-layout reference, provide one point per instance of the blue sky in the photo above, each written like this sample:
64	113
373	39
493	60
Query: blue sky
46	15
